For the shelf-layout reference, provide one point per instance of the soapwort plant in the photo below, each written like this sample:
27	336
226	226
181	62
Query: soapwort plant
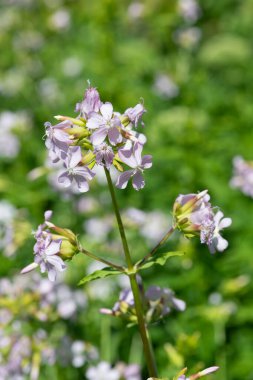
101	136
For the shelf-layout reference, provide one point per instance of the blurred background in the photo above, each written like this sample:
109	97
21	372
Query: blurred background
191	62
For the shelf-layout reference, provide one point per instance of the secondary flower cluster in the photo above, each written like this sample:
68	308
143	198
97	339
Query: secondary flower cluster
98	136
53	246
158	302
195	216
243	176
181	374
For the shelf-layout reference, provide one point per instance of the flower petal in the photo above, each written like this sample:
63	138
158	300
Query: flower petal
99	135
106	110
146	161
29	268
123	179
95	121
138	181
114	136
222	243
226	222
54	247
82	183
51	274
137	150
65	179
74	156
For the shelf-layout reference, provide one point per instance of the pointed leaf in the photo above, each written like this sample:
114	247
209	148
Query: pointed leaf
105	272
159	259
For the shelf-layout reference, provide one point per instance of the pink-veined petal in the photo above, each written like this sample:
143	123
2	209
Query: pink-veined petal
82	184
123	179
146	161
127	157
74	156
137	150
114	136
138	181
95	121
53	247
57	262
64	179
106	110
98	136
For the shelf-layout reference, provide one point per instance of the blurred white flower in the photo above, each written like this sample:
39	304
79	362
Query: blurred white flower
49	90
165	87
103	371
98	228
189	10
72	66
188	38
155	226
60	20
135	10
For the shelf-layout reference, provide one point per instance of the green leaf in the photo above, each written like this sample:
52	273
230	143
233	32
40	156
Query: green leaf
159	258
105	272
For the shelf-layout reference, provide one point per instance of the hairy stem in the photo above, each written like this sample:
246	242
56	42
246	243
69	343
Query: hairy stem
147	347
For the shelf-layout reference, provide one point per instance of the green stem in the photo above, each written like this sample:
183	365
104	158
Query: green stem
91	255
161	242
148	351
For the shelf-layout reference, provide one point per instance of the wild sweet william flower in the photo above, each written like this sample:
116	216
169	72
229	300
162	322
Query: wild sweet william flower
53	245
194	216
243	176
210	232
91	103
135	114
80	175
131	155
58	139
105	124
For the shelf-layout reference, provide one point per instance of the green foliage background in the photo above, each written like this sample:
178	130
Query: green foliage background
193	138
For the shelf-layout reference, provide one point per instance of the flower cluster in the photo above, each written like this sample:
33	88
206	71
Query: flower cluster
98	136
243	176
53	246
158	303
195	216
26	303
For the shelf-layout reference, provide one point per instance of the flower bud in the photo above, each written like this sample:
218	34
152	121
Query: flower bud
190	210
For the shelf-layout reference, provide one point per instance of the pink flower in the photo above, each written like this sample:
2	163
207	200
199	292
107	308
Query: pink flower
131	155
79	175
105	124
91	103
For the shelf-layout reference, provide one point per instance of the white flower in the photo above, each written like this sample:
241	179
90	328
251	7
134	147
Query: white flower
102	372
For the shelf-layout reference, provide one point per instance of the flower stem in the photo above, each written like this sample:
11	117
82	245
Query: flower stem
161	242
87	253
147	347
